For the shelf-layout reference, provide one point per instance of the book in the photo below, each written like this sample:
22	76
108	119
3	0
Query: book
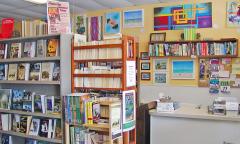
44	125
3	71
6	139
5	98
57	134
37	103
52	47
56	72
17	99
29	49
3	51
41	48
6	122
57	105
49	104
16	123
28	101
96	112
15	50
12	72
47	71
23	71
35	71
30	141
34	127
25	124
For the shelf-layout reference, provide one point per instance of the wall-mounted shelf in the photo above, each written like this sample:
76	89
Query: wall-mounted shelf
30	82
36	59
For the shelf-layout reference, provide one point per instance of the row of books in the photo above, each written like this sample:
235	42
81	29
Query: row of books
34	28
28	101
80	135
47	71
97	82
48	128
189	49
98	70
103	42
82	108
30	49
8	139
190	34
101	53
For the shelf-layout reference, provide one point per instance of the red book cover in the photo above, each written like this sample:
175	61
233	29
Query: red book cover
7	27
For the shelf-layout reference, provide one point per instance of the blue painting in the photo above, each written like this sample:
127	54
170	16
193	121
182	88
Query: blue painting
112	23
183	69
133	18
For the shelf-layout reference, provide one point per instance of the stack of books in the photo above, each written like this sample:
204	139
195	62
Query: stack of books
34	28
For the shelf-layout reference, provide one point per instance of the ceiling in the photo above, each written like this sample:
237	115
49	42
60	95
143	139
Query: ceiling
20	9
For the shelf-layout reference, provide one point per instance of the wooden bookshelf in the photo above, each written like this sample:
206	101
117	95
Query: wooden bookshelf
49	88
128	54
232	55
31	137
98	127
55	116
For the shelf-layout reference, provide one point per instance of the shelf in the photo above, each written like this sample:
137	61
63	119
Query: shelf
30	136
93	88
107	103
36	59
31	37
218	56
97	60
170	57
98	75
30	82
98	127
55	116
98	46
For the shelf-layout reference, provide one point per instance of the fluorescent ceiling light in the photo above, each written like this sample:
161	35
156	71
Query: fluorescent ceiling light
37	1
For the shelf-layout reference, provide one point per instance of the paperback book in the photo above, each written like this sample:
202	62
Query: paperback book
29	49
35	71
3	51
15	50
47	71
23	71
12	72
3	71
34	128
17	99
41	48
5	98
52	47
56	72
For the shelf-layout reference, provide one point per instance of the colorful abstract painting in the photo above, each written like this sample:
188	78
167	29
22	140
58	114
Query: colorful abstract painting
112	23
233	13
183	16
133	18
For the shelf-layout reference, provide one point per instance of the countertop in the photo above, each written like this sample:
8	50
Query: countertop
190	111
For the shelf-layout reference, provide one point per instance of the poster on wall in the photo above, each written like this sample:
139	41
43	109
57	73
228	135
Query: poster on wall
95	28
160	64
131	73
58	17
81	24
116	122
133	18
183	69
183	16
112	23
129	113
233	13
160	77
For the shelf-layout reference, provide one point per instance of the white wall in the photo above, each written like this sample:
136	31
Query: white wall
186	94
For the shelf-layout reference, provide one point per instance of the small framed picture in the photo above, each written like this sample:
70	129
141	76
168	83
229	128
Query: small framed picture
144	56
160	78
160	64
145	66
145	76
157	37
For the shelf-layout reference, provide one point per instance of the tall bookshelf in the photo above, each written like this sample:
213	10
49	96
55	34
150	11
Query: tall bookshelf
120	56
49	88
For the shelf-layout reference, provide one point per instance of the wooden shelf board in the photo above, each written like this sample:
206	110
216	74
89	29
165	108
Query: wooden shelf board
170	56
98	46
30	136
36	59
94	88
218	56
98	75
97	60
98	127
30	37
56	116
107	103
29	82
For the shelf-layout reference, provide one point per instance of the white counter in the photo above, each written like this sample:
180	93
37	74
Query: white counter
188	125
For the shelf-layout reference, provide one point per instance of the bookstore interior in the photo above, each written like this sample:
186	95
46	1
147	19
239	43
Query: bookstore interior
119	72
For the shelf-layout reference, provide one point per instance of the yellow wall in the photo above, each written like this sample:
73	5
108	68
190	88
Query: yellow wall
220	29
